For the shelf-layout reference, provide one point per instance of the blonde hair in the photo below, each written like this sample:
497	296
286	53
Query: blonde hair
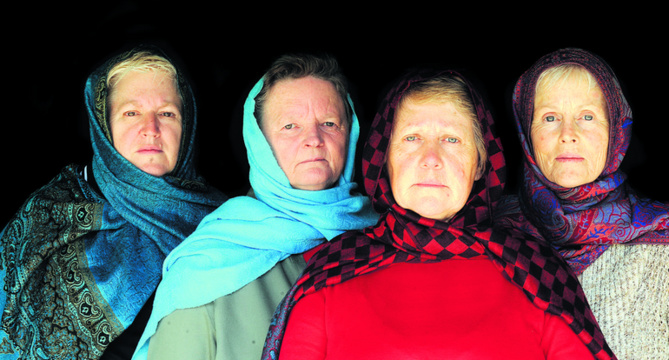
450	89
557	75
142	61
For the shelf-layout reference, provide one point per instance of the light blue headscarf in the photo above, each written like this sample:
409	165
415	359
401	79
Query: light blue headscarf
245	237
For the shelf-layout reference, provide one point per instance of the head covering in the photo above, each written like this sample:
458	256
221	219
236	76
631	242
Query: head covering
402	235
79	265
247	236
582	221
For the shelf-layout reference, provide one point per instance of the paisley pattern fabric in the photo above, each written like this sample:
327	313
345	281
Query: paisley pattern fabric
82	256
581	222
401	235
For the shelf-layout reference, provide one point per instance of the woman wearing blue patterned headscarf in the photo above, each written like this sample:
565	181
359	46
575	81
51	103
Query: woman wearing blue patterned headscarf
221	286
84	253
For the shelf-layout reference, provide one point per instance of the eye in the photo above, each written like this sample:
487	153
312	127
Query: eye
289	126
549	118
410	138
329	124
452	140
130	113
168	114
588	117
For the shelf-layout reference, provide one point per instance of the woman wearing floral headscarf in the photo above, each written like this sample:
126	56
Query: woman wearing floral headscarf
84	253
575	125
432	279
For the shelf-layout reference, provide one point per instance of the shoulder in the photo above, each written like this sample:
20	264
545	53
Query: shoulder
622	260
628	290
70	184
638	266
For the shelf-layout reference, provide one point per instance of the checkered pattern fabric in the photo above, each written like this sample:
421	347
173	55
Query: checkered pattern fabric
582	222
402	235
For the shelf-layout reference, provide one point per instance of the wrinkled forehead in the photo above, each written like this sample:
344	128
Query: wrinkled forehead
560	75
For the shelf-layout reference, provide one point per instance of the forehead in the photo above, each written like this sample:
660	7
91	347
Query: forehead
577	83
304	91
144	83
433	114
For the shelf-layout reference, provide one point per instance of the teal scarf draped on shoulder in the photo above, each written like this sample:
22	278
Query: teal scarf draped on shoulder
78	261
247	236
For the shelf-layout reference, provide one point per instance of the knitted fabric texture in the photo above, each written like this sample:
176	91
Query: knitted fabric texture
628	289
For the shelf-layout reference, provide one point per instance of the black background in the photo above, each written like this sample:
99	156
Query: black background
49	50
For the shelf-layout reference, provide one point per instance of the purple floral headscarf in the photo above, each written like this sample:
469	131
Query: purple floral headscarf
581	222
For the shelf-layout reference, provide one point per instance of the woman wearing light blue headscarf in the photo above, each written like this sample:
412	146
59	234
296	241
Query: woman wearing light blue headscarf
221	285
83	255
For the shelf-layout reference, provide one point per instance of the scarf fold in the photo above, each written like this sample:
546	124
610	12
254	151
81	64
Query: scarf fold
401	235
79	265
582	222
247	236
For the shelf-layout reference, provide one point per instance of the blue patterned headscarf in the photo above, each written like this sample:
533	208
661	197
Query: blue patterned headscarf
78	264
247	236
582	222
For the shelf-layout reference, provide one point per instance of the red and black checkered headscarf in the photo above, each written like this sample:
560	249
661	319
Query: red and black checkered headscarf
402	235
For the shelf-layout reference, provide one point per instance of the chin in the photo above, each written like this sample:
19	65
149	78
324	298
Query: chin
572	181
313	186
155	170
318	182
440	216
431	208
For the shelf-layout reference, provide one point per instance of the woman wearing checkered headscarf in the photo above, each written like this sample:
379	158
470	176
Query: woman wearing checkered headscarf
579	202
450	285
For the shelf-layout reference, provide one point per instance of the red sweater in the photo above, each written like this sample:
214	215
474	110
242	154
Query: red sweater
457	309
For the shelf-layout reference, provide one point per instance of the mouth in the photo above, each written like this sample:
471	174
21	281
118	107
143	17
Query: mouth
150	149
430	184
567	157
314	160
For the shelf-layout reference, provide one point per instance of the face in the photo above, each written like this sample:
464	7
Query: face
570	132
305	124
432	159
146	120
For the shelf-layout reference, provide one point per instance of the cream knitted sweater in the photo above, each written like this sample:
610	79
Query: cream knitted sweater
628	290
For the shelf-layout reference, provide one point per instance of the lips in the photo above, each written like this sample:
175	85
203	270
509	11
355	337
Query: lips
569	157
150	149
430	183
312	160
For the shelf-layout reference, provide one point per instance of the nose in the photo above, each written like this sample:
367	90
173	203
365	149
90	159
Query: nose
430	157
150	126
568	132
313	136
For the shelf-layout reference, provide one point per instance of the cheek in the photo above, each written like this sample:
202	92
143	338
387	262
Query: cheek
463	172
394	172
284	152
340	150
175	136
119	136
539	140
600	146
